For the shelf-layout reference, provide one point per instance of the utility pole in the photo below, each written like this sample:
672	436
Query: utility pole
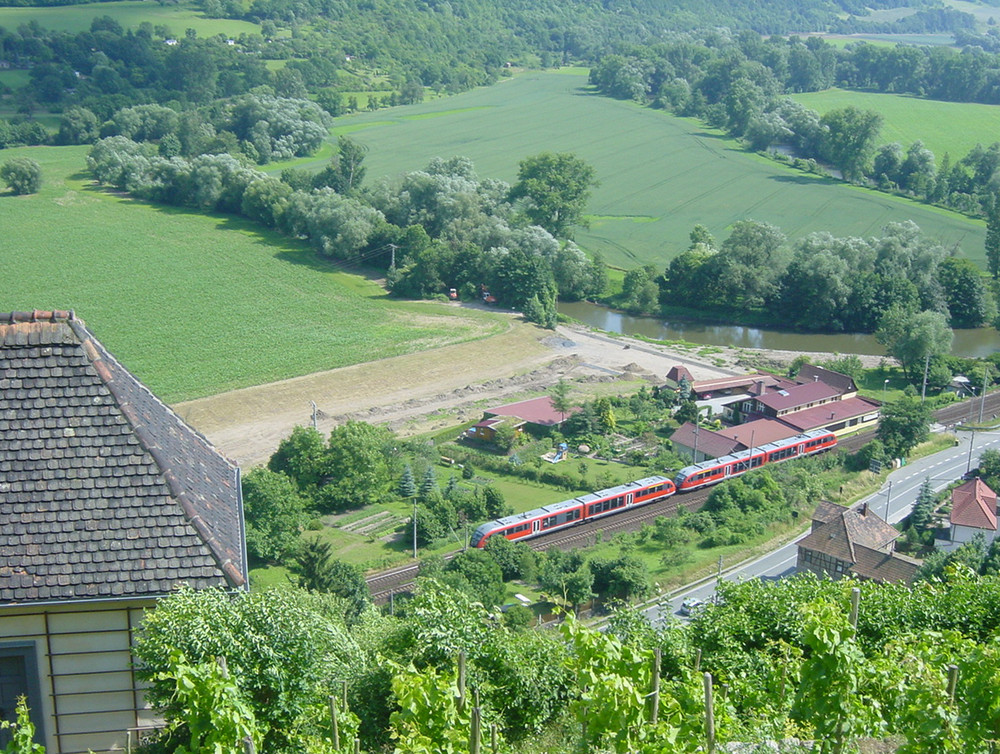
315	417
414	529
888	497
927	365
982	398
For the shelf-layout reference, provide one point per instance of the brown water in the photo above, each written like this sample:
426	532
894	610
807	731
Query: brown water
978	343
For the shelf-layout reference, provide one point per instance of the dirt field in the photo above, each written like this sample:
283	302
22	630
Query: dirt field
442	387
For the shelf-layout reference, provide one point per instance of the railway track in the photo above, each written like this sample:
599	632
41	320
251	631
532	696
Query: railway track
396	580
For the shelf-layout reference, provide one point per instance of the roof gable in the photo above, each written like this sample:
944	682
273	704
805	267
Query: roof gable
839	531
844	383
974	504
709	443
104	491
799	395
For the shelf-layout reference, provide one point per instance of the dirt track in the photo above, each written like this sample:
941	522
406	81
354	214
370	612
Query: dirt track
437	388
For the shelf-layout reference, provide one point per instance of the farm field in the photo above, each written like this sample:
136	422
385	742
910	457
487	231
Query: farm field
953	127
660	175
196	304
176	17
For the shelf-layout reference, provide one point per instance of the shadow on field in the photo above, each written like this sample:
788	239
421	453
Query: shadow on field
802	180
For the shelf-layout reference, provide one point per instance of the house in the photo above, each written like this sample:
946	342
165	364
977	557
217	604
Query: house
701	444
973	513
853	541
538	413
108	501
843	383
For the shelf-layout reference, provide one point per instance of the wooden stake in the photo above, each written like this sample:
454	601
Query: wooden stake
855	601
248	747
357	746
475	737
952	682
461	681
654	713
709	715
335	728
697	661
222	664
494	740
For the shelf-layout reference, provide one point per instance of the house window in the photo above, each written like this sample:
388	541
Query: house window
19	677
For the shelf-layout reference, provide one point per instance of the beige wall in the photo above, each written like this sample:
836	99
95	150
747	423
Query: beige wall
84	661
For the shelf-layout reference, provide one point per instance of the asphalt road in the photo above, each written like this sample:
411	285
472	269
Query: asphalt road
893	502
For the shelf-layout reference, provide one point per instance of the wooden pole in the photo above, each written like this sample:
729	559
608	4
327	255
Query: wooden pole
654	713
461	681
697	661
222	664
952	682
345	694
855	601
357	746
248	747
709	714
474	739
494	739
334	726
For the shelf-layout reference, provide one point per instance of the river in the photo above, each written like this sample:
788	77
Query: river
969	343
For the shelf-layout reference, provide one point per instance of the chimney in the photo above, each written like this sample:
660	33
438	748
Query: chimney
863	510
760	387
815	378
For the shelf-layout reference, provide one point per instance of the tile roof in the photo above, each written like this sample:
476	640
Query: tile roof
760	432
859	537
104	491
830	413
811	373
974	504
741	382
709	443
798	395
534	411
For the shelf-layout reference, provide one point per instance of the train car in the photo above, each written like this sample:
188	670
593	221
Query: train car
549	518
719	469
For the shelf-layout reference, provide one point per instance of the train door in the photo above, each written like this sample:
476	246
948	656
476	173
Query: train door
536	526
729	469
629	498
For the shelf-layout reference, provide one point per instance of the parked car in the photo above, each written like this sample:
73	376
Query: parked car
690	606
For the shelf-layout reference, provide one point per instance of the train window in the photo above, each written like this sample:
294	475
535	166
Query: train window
573	515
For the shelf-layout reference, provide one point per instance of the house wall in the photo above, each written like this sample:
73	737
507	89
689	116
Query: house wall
82	655
820	564
962	534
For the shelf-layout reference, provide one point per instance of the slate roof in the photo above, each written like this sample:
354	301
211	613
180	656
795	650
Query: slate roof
974	504
104	491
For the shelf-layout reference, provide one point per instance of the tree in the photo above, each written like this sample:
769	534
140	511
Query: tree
913	337
623	578
557	187
850	138
921	518
358	466
970	303
477	573
275	513
993	239
429	490
345	172
78	125
301	456
407	484
559	395
496	505
317	570
904	424
22	175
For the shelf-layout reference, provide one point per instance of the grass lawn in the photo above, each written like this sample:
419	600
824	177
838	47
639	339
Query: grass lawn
196	304
660	175
176	17
953	127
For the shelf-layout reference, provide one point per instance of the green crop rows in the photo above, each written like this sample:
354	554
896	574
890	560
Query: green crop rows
660	175
196	304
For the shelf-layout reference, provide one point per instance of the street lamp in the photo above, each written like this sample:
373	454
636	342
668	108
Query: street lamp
885	384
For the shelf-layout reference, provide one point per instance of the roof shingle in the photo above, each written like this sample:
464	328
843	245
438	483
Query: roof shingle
104	491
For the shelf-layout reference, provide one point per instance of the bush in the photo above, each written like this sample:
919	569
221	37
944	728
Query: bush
22	175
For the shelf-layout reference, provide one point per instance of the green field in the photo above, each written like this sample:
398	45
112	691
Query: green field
660	175
953	127
196	304
176	17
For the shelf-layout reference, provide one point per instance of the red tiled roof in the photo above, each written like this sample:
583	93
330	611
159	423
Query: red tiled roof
677	372
711	444
828	413
535	411
798	395
974	504
759	432
742	381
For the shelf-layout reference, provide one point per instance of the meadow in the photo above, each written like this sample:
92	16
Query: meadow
660	175
952	127
197	304
177	17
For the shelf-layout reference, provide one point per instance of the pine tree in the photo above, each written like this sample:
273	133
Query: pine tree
429	486
407	485
923	510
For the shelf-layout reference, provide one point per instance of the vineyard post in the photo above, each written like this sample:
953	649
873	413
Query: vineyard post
357	746
461	681
494	740
697	660
248	747
333	722
855	601
709	715
952	682
475	737
654	713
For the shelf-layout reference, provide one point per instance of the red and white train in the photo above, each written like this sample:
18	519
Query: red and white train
549	518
